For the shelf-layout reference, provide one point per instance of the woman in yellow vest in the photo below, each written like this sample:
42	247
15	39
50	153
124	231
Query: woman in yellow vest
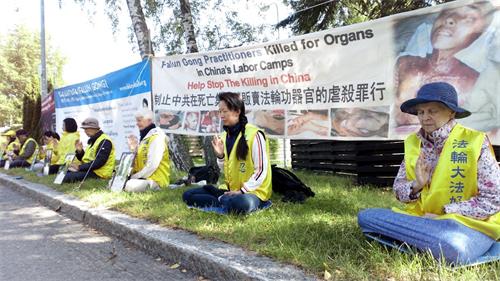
98	160
5	140
50	140
151	168
243	152
70	136
26	154
11	145
449	180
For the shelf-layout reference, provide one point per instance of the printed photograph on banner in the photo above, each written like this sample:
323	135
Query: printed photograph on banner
192	121
271	121
210	122
169	119
145	104
360	122
460	46
308	123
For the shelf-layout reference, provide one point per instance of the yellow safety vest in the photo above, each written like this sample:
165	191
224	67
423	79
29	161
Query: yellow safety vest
162	174
3	143
453	180
106	171
66	145
48	147
237	172
30	159
10	148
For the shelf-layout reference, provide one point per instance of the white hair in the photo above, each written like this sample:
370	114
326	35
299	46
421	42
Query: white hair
145	113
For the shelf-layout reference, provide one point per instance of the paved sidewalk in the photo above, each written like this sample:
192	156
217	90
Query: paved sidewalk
211	258
38	244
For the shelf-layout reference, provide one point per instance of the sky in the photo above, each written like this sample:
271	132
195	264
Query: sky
90	47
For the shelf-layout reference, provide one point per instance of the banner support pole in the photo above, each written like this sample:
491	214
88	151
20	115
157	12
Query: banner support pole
284	152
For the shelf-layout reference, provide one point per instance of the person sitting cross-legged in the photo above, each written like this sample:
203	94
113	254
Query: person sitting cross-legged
70	136
49	142
243	151
11	146
449	181
98	160
151	168
27	152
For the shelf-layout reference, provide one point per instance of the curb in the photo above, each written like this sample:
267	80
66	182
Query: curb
210	258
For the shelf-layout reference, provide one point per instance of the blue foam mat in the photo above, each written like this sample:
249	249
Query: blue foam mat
223	210
493	254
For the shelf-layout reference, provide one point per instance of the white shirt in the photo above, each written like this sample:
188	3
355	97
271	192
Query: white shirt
155	153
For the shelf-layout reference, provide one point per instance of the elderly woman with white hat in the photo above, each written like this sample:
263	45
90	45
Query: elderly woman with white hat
449	181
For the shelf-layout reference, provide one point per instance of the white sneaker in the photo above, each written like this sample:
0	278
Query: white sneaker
200	183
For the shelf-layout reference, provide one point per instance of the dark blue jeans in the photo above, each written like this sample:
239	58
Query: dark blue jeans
208	197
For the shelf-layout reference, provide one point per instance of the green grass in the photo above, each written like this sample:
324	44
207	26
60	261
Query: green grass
320	235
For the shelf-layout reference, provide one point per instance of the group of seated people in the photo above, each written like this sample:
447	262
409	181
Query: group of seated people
246	167
449	179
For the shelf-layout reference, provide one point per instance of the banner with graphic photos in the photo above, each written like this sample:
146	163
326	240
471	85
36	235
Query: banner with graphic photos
345	83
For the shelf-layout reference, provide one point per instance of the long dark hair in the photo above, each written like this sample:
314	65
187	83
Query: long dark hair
235	103
70	125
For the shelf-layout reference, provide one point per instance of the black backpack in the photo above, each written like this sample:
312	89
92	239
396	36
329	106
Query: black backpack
289	185
208	173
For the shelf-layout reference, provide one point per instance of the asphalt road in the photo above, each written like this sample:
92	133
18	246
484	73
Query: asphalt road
37	243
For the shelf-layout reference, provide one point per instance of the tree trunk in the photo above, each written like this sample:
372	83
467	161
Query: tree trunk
31	115
178	152
36	129
187	23
140	28
192	47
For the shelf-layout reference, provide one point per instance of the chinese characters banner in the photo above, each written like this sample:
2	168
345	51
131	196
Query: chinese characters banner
345	83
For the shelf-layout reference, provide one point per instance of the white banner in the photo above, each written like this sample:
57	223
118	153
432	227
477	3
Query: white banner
345	83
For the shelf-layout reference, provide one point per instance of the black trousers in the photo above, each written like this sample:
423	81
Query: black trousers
78	176
53	169
19	164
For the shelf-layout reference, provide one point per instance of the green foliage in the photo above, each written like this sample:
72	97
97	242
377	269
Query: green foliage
273	146
217	24
321	234
312	15
216	27
19	76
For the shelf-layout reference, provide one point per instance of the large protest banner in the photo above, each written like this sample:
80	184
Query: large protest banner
345	83
113	99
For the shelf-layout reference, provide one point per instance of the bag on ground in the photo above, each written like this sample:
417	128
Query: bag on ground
207	173
289	185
